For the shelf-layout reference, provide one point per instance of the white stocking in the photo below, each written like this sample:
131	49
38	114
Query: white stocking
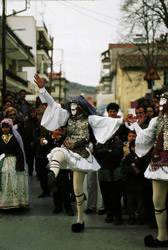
56	160
78	178
160	190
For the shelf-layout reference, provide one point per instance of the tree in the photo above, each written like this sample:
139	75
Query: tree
159	8
147	18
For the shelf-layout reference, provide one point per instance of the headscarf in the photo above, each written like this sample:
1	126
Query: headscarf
7	121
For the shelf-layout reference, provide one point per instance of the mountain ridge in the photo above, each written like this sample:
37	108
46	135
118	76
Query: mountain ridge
75	89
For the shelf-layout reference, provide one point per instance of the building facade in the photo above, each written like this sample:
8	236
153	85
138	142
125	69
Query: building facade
122	76
59	87
18	55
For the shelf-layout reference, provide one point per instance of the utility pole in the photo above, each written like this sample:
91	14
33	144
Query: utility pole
3	50
52	44
60	83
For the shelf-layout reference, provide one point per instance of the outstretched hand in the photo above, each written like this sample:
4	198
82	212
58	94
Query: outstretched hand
130	118
40	83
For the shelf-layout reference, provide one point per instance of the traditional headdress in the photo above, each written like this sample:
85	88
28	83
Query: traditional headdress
7	121
164	95
83	103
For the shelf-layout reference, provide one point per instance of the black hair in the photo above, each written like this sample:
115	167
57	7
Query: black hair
140	106
153	108
23	90
112	105
7	101
131	131
9	95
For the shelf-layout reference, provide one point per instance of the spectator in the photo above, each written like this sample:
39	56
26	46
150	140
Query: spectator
156	99
6	104
40	137
133	168
157	108
17	118
11	98
21	104
150	110
13	175
94	200
39	104
140	112
145	102
126	146
112	109
109	157
30	122
126	150
61	196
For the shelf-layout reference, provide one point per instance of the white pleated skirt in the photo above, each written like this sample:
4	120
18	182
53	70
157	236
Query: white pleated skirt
158	174
14	191
74	161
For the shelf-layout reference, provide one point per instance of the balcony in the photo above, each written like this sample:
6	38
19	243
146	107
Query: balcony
16	49
16	78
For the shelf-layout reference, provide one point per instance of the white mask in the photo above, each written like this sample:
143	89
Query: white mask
73	108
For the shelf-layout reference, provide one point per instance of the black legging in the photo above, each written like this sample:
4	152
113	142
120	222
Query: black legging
111	193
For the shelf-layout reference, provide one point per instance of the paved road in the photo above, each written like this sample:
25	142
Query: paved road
38	228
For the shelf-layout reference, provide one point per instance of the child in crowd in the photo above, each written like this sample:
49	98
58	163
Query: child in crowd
133	168
131	136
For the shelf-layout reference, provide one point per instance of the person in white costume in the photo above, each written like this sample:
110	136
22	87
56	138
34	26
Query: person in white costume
156	135
75	154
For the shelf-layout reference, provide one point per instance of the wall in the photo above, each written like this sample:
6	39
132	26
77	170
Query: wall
28	36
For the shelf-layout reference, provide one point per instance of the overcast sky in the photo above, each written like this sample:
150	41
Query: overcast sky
82	30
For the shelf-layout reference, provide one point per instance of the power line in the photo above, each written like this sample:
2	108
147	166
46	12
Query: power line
77	6
80	12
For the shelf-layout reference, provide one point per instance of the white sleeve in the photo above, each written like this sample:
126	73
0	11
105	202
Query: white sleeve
54	116
45	97
145	138
104	127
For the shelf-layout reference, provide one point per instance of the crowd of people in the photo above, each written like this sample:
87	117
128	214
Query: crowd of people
60	143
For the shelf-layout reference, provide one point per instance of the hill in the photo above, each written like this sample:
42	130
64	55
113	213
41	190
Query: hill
75	89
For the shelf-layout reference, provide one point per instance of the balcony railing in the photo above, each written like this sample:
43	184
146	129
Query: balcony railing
16	78
18	41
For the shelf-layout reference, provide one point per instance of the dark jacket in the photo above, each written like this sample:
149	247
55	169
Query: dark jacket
29	127
13	148
38	133
110	162
53	143
133	181
18	106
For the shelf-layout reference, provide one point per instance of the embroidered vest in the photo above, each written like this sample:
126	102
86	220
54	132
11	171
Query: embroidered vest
162	123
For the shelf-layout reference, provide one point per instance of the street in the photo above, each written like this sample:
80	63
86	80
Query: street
37	228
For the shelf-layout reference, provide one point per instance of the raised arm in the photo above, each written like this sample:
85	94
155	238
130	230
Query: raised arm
43	94
54	116
40	83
